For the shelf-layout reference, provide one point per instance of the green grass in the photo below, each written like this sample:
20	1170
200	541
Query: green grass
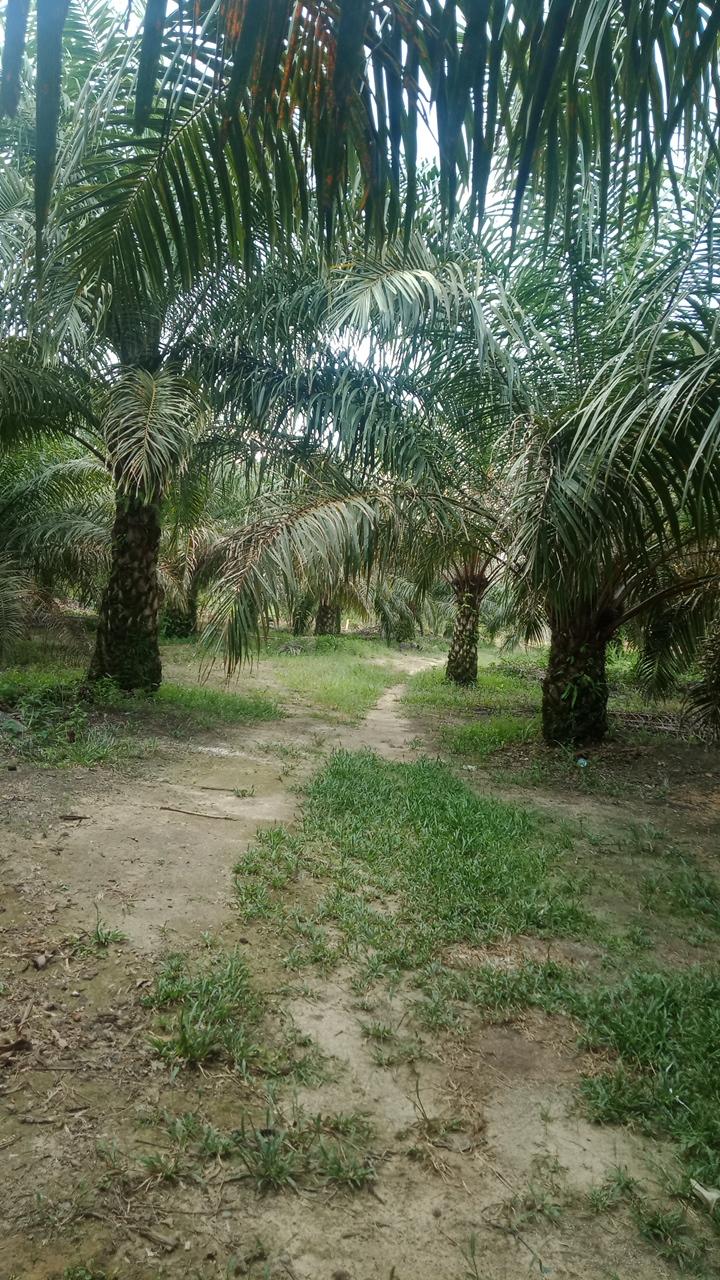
206	707
43	681
670	1232
482	737
52	718
337	674
408	861
50	722
457	867
201	706
682	889
97	940
498	688
662	1027
274	1152
665	1029
616	1188
497	712
213	1012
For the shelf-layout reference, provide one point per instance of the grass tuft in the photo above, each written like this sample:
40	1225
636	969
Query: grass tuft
278	1152
482	737
214	1012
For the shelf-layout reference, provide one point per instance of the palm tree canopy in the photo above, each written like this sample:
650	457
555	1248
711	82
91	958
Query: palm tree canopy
556	91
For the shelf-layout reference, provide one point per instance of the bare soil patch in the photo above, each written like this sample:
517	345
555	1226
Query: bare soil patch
482	1162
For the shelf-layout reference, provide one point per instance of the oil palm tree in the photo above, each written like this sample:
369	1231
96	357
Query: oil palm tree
594	555
208	174
55	517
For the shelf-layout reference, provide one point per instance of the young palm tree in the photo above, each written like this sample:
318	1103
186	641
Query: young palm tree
55	516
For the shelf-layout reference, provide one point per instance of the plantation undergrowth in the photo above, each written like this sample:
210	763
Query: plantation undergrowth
407	861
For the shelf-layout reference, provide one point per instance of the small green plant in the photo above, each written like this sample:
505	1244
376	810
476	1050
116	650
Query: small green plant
380	1032
398	1052
534	1204
645	840
214	1012
615	1189
669	1231
470	1254
342	1168
162	1167
97	939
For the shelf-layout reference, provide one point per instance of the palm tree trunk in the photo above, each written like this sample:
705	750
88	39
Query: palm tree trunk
127	648
327	619
575	688
462	664
704	697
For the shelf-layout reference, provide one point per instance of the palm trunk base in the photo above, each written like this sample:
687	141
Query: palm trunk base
575	691
327	619
127	648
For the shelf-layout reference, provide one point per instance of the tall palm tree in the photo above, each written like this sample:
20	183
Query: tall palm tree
219	162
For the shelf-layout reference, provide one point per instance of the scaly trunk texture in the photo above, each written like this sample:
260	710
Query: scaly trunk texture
127	647
462	664
327	619
575	688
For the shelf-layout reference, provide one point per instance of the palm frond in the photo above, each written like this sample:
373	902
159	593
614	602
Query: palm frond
150	424
14	589
323	538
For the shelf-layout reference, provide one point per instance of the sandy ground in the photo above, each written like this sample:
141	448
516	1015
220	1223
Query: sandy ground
460	1137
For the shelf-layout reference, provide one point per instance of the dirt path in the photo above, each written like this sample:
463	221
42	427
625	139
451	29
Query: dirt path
460	1135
